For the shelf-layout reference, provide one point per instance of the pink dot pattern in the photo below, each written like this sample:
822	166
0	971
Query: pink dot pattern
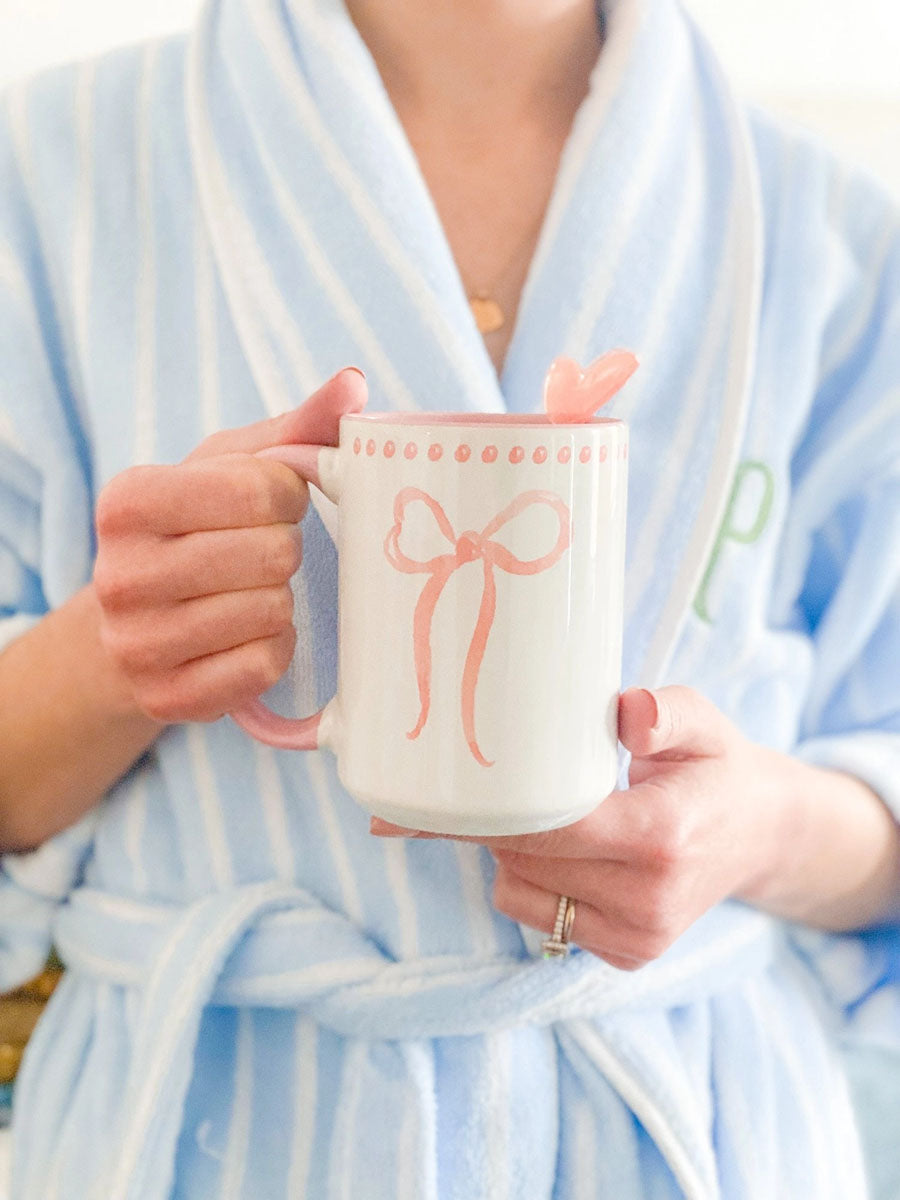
489	454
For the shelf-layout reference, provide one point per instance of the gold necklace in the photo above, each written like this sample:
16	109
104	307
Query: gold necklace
489	316
486	309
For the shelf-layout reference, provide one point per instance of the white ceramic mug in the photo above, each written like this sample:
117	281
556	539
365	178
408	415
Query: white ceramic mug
481	565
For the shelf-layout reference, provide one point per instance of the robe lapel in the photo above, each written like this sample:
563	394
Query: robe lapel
655	228
328	243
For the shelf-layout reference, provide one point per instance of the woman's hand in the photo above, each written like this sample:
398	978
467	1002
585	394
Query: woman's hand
194	562
708	815
692	828
646	863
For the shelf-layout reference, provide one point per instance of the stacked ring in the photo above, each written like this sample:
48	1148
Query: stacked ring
557	945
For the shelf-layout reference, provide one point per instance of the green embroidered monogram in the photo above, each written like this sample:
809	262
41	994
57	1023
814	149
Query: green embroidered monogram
728	531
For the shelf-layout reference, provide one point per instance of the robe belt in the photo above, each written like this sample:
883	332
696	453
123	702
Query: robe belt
274	944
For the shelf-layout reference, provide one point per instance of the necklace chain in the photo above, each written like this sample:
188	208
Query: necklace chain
486	309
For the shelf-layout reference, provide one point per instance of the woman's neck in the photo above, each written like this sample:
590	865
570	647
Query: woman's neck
463	58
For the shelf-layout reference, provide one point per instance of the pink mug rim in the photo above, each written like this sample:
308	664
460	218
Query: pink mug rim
478	420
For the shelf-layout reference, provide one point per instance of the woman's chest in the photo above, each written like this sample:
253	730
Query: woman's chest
490	194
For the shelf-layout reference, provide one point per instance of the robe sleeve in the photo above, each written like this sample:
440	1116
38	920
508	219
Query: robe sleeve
846	506
45	516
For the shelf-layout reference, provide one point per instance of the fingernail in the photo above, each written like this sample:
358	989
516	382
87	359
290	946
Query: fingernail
655	704
384	829
340	371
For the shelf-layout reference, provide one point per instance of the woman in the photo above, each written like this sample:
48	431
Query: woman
263	999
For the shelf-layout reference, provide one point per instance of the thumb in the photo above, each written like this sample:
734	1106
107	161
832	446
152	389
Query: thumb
672	722
316	420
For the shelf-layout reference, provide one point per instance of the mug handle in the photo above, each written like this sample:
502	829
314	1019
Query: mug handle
318	465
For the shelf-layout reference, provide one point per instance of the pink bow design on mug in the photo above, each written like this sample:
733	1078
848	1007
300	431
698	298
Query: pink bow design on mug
466	548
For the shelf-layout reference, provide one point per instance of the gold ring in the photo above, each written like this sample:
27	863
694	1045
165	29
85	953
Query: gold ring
557	945
568	920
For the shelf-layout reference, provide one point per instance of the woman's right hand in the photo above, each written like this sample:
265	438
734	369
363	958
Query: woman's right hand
194	561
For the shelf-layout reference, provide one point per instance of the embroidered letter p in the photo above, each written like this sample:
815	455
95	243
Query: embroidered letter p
731	532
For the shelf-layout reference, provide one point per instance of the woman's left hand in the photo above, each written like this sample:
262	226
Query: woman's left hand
704	818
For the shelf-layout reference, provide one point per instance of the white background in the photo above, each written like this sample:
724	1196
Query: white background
833	65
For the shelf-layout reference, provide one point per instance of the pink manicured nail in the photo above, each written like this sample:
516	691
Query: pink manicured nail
385	829
655	704
358	370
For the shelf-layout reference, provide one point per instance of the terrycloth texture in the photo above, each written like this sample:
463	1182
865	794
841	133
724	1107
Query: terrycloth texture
196	233
876	1090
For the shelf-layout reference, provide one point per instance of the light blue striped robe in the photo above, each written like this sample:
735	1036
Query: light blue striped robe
263	1001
